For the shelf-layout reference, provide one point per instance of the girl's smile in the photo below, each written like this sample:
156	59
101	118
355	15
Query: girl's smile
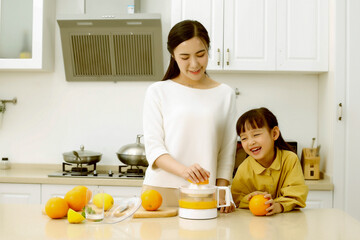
255	150
259	144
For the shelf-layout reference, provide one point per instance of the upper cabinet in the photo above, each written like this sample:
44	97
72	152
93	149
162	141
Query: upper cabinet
27	34
258	35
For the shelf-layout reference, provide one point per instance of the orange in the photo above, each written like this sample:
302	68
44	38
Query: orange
257	205
56	207
76	199
86	190
201	183
151	200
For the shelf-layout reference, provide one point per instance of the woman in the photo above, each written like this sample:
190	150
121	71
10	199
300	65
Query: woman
189	119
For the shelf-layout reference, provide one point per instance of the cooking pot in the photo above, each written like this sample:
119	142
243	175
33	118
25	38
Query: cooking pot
82	156
133	154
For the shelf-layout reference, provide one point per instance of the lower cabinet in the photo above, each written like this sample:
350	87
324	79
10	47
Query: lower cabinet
117	192
319	199
41	193
20	193
49	190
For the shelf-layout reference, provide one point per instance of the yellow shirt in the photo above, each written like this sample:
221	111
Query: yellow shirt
284	180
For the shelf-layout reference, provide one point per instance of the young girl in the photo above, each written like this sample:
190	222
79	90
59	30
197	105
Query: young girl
271	168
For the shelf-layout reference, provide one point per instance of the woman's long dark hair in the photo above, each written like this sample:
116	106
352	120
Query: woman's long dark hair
181	32
258	118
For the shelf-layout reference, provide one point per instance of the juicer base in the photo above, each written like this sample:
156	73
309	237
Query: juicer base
197	213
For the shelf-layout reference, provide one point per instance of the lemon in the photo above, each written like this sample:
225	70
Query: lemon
103	198
74	217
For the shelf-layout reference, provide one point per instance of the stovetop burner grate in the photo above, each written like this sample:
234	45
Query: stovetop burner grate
90	171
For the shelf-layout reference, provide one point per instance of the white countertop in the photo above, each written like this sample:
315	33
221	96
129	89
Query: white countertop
38	173
23	221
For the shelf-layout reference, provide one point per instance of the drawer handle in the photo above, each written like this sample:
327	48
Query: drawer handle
227	56
339	112
218	56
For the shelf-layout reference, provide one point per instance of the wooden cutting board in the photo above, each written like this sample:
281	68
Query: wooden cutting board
161	212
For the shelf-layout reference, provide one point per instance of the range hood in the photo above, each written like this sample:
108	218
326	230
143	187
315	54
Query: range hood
126	47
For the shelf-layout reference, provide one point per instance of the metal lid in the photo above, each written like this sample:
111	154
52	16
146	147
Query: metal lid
82	153
134	149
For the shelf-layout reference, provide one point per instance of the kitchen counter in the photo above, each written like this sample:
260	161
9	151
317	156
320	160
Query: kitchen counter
26	221
37	173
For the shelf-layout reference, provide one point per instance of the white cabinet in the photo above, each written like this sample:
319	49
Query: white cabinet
319	199
302	35
339	128
118	192
272	35
19	193
50	190
27	31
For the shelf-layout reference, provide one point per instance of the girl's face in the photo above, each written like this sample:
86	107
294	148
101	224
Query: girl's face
259	143
192	59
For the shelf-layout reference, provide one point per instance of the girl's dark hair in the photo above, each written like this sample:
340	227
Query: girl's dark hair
258	118
181	32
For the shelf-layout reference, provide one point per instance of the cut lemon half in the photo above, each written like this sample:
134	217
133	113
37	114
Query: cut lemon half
200	183
74	217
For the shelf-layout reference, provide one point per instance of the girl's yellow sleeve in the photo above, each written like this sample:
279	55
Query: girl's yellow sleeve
239	189
293	192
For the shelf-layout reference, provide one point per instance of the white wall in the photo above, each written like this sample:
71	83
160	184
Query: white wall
53	116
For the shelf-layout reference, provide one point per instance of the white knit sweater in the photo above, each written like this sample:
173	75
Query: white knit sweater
193	126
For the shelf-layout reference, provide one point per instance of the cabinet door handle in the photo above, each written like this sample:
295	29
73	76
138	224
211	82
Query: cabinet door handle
227	56
339	112
218	56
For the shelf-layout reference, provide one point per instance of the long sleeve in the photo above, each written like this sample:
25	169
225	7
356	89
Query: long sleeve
153	126
226	157
240	188
293	192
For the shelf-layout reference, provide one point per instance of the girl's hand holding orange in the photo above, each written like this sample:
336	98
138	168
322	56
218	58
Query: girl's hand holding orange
272	208
195	173
275	207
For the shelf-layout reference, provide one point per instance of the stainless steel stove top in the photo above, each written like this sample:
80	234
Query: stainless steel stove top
98	174
90	171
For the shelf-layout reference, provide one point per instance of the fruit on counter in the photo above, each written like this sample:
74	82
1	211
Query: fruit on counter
151	200
257	205
84	189
74	217
107	198
200	183
78	197
56	207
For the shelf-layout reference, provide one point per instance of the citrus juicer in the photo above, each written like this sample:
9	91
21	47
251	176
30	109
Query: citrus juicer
201	201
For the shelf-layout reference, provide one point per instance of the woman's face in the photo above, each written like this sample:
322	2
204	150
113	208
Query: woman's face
192	58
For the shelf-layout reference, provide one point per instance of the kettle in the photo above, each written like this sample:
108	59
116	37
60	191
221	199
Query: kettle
133	154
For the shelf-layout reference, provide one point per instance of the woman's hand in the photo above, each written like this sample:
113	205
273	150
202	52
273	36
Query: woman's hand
231	208
228	209
195	173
